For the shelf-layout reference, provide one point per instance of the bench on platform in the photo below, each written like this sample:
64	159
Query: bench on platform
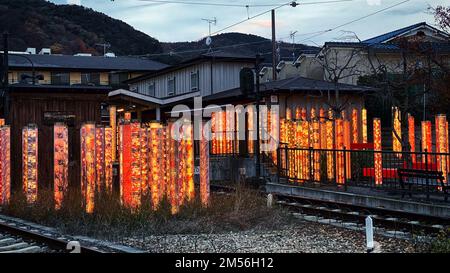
427	178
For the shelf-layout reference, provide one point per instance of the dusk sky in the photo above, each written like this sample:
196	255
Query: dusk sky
169	22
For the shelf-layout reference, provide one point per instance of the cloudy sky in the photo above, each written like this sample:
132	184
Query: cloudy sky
182	22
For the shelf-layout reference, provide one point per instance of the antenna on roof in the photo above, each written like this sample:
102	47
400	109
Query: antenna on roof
292	35
210	22
105	47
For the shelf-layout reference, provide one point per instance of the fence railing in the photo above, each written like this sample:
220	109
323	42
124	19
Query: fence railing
361	168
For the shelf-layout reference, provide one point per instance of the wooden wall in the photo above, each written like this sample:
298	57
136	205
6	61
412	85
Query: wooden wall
29	107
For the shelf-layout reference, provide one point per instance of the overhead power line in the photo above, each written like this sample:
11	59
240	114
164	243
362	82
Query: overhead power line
237	5
355	20
316	33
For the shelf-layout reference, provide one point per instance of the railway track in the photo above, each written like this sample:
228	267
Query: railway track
21	238
388	222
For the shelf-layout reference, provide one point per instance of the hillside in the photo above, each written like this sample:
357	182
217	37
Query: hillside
69	29
246	44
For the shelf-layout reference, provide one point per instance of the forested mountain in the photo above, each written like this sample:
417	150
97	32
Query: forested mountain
71	29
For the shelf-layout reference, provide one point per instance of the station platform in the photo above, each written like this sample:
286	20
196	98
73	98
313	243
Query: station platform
370	198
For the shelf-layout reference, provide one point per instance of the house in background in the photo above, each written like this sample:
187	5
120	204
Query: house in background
154	93
45	89
346	62
350	60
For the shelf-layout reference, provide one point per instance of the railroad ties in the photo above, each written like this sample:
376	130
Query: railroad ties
15	244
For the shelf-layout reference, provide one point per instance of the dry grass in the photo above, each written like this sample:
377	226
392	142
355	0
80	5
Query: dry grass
246	209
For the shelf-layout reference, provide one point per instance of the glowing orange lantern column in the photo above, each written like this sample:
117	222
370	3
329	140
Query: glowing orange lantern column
88	165
204	169
100	158
316	146
426	140
109	148
347	143
113	124
30	162
190	192
364	125
397	132
136	191
412	137
145	156
339	154
441	144
329	128
5	164
60	162
378	164
355	127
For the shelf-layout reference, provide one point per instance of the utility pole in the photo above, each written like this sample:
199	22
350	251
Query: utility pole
293	44
105	47
274	48
5	83
257	147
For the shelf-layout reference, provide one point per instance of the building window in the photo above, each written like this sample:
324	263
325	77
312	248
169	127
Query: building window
171	86
117	78
90	78
60	78
151	89
194	81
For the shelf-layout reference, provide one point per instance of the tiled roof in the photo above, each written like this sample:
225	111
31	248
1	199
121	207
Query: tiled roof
294	84
387	36
84	62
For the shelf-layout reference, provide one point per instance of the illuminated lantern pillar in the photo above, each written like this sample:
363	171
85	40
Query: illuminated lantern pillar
145	176
113	124
355	125
204	169
347	143
304	114
378	164
5	164
125	164
229	130
100	158
329	128
181	182
251	130
136	190
313	114
88	165
109	159
221	129
364	125
30	162
172	185
288	113
397	132
213	131
2	122
292	129
303	139
157	160
298	112
189	178
316	146
412	137
339	154
426	140
330	114
60	162
441	144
